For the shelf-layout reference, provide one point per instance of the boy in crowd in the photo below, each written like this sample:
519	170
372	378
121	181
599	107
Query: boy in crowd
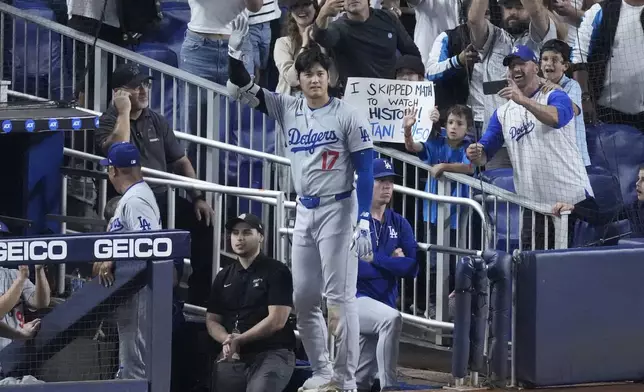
445	152
554	62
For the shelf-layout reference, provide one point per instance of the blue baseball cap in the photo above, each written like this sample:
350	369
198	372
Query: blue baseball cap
4	228
383	168
122	154
520	52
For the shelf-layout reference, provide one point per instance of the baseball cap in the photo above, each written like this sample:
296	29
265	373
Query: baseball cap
294	3
559	46
128	75
4	229
410	62
520	52
122	154
383	168
249	219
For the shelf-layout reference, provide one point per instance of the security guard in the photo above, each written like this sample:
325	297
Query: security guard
249	306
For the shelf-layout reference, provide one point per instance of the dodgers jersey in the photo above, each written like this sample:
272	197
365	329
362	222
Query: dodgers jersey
319	142
379	279
136	211
15	318
548	167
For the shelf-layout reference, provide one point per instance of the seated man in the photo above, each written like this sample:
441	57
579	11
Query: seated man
249	306
394	258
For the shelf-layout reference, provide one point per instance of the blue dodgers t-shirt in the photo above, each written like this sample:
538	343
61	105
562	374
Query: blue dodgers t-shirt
436	151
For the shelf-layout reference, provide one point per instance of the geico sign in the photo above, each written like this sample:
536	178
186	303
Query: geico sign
139	248
33	250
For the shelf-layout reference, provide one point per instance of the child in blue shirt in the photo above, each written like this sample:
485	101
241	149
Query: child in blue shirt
445	152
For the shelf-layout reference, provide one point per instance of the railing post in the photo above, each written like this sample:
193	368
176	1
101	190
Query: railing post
443	227
217	235
63	230
212	133
171	208
100	79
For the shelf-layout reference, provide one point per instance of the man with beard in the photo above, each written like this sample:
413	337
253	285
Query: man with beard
538	130
525	22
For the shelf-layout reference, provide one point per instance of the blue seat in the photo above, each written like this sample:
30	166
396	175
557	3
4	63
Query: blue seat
619	149
243	135
160	87
36	56
507	237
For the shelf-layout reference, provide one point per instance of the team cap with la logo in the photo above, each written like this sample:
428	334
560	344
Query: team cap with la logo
383	168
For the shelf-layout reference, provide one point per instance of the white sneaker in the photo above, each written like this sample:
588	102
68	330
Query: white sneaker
314	383
329	387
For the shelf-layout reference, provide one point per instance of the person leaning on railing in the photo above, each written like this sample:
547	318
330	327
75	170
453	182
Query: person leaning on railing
129	119
537	128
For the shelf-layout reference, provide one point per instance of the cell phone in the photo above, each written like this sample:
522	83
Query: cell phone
493	87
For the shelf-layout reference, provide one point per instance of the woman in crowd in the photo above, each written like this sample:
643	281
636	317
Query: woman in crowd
300	18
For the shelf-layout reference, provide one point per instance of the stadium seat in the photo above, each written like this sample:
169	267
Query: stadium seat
31	53
160	53
619	149
503	178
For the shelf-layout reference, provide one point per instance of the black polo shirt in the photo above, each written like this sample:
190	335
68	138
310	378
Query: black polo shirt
242	296
151	134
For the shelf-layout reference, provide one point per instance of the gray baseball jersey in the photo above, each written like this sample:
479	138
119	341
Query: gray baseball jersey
15	318
319	142
136	211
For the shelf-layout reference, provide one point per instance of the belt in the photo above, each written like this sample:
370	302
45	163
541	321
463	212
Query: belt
311	202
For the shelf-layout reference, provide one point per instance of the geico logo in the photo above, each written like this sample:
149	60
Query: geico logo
139	248
33	250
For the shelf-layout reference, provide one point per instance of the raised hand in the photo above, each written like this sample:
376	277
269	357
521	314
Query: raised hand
239	33
409	120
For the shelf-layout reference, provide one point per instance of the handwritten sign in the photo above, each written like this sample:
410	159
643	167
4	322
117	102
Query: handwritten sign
384	101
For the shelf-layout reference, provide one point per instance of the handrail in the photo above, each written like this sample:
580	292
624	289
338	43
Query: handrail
269	157
129	55
175	178
201	311
232	148
463	179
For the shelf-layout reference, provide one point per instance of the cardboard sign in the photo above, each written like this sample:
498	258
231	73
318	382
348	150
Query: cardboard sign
384	101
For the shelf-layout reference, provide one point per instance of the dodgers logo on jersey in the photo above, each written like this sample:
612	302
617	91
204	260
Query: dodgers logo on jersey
310	141
364	135
519	132
392	232
116	225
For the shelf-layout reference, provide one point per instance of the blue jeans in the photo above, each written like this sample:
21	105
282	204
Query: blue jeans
208	59
256	47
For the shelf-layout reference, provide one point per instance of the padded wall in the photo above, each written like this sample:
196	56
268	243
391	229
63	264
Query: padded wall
580	316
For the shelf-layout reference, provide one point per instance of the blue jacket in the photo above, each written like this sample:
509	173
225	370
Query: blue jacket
379	279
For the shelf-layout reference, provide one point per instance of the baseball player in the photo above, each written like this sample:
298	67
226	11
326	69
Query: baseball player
137	210
394	258
327	142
